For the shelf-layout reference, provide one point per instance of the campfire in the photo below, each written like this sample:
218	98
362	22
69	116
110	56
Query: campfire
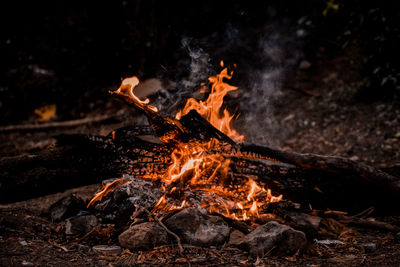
199	183
198	165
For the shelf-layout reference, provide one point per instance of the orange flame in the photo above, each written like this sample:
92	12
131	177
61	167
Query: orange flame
126	89
107	188
211	108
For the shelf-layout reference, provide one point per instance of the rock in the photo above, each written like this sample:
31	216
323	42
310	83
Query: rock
79	225
306	223
197	228
66	207
143	236
274	239
236	237
106	250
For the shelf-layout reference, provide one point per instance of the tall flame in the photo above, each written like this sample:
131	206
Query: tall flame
211	108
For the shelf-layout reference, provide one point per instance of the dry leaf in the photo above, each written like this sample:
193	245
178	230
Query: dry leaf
46	112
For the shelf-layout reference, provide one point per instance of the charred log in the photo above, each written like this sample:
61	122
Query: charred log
330	164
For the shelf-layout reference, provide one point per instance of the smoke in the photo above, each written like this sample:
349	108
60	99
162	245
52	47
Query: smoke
279	50
263	56
193	68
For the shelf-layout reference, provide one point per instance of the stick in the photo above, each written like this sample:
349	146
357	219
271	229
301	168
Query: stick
57	124
178	239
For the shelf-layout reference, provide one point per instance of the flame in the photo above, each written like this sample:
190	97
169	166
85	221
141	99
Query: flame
126	89
107	188
193	168
191	165
211	108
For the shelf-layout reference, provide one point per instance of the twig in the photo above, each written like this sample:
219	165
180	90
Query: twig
59	246
58	124
88	233
365	213
178	239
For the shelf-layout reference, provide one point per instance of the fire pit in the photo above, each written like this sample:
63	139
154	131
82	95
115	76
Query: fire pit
197	183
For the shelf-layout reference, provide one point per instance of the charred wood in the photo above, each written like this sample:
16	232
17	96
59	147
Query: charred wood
330	164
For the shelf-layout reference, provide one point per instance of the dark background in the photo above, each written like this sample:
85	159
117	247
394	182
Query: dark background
86	47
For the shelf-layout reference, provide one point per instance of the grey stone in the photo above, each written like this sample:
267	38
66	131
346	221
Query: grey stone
143	236
274	239
197	228
236	237
79	225
66	207
306	223
106	250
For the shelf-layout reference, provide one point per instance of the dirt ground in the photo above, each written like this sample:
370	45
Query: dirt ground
30	238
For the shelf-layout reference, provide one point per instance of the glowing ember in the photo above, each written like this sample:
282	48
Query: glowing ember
193	168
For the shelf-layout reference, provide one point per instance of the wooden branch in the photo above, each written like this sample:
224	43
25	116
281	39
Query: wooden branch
178	239
369	223
331	164
54	170
58	124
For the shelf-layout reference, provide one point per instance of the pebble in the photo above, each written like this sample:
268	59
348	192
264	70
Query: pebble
104	249
329	242
355	158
